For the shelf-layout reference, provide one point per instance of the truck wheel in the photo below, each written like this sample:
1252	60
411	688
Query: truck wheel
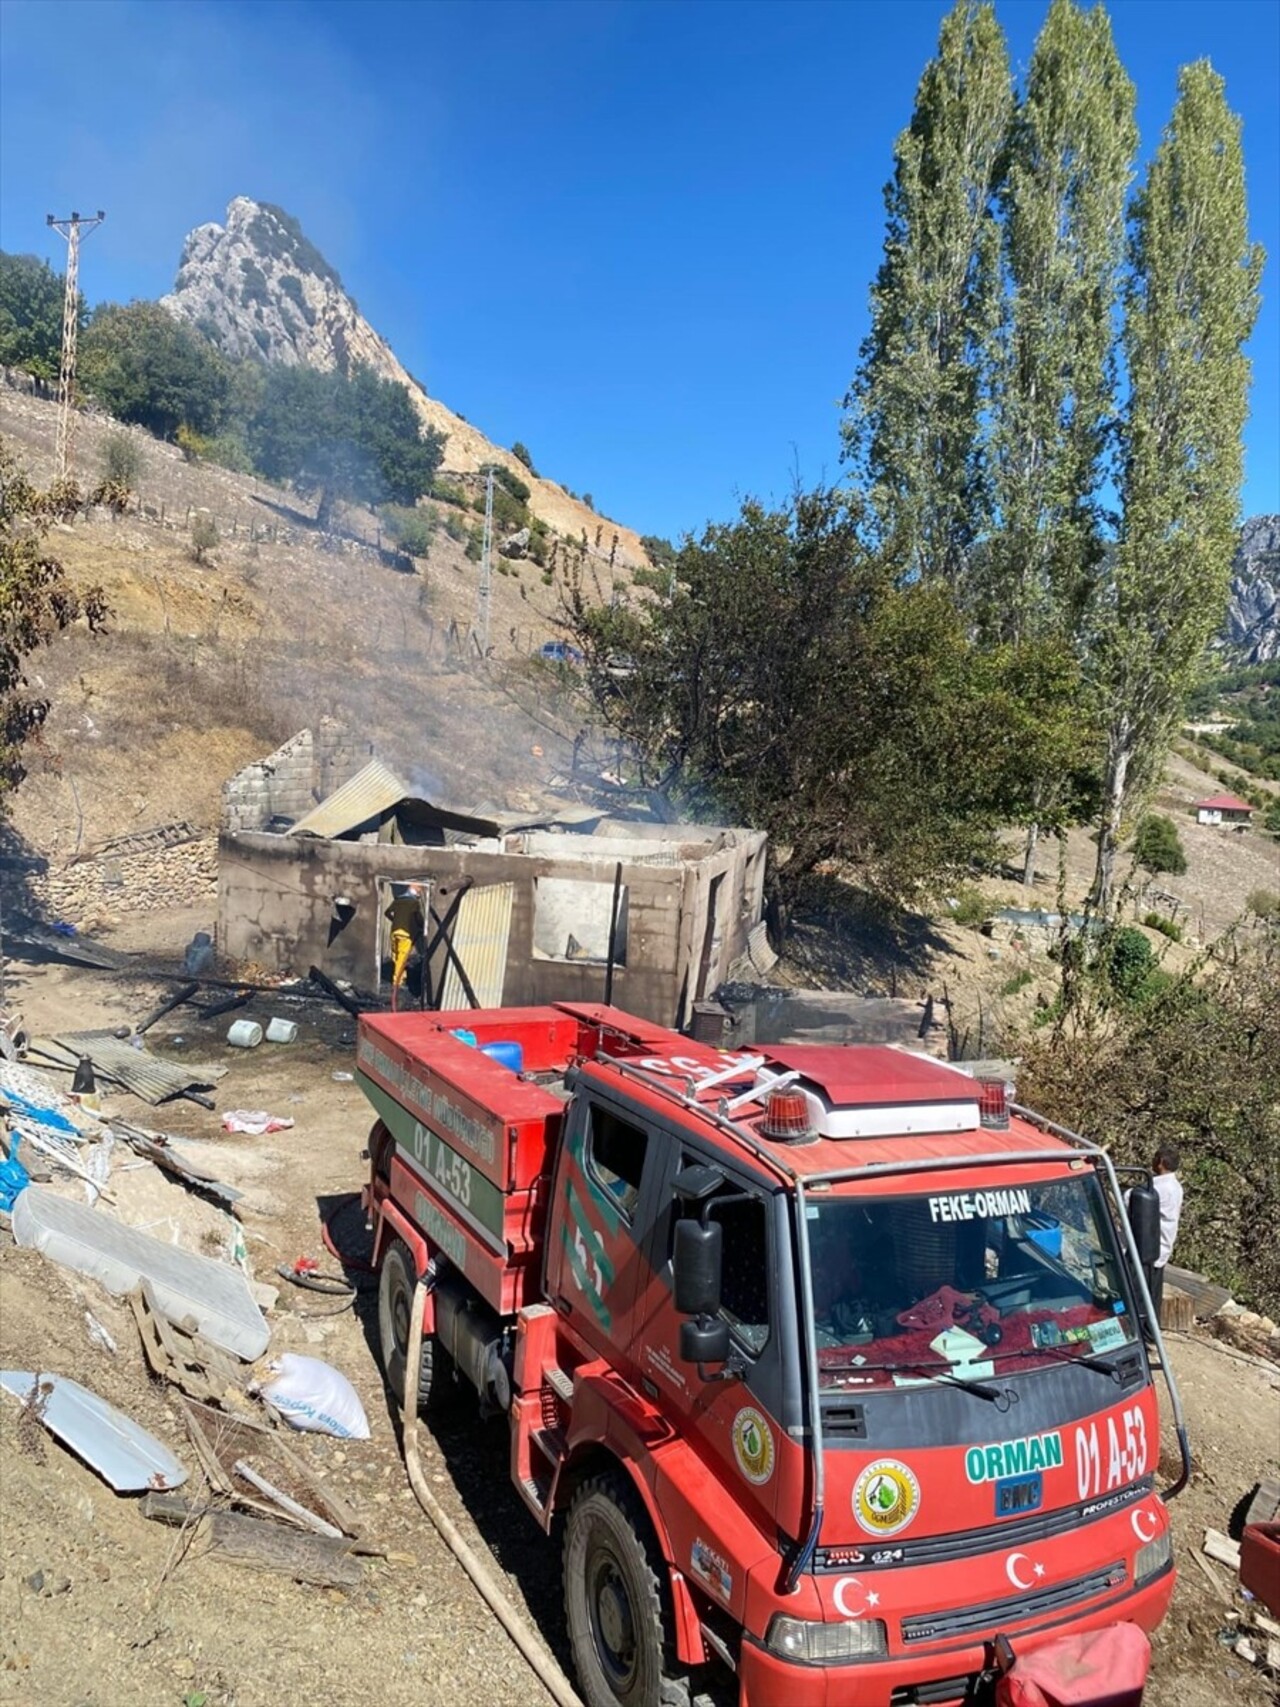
615	1601
396	1287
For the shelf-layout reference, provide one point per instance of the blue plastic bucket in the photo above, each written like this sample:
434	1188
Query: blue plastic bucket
506	1055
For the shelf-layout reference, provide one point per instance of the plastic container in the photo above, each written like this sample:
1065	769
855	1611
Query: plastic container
244	1034
1045	1231
464	1036
506	1055
281	1031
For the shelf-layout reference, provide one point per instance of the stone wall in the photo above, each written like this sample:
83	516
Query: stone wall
149	881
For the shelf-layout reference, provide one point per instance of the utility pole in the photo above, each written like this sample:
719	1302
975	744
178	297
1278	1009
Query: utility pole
486	571
70	229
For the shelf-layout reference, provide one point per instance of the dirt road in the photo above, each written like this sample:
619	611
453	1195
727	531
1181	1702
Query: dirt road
125	1617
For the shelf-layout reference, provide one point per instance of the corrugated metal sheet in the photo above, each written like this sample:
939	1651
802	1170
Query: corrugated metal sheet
480	936
371	792
146	1075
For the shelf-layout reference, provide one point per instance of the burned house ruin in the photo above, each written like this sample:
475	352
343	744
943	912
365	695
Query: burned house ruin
568	904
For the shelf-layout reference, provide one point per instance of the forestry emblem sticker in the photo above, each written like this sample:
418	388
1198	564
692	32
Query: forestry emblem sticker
753	1445
886	1497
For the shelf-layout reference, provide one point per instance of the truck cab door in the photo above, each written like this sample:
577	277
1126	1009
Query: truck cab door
600	1222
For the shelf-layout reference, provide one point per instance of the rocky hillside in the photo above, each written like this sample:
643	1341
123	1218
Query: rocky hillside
258	287
1252	630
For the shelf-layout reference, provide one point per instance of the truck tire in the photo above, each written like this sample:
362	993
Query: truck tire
396	1284
616	1601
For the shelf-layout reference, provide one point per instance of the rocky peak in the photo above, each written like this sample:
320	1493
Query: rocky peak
1252	628
258	288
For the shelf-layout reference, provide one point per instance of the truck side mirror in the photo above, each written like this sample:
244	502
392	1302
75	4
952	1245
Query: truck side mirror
696	1264
704	1340
1144	1219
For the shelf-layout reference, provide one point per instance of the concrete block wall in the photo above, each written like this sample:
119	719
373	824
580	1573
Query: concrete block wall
293	779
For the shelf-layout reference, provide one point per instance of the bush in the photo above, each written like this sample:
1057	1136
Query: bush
1166	927
1158	847
503	476
1271	820
1264	904
1018	982
475	544
660	552
444	492
971	908
522	454
1130	961
121	462
204	535
411	529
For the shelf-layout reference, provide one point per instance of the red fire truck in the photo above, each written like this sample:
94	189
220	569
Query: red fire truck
831	1363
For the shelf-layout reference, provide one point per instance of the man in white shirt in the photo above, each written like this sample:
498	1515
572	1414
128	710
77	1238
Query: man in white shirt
1168	1188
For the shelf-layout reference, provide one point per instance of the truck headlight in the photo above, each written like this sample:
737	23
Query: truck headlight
827	1644
1153	1557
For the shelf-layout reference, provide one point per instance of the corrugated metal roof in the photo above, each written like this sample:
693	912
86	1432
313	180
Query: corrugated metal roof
480	936
370	792
146	1075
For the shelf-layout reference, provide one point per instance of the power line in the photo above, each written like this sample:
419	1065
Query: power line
70	229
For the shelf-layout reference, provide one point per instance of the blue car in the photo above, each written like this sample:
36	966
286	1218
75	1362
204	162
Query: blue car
559	652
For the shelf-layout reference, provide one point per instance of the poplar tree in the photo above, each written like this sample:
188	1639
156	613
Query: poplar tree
913	412
1191	301
1063	200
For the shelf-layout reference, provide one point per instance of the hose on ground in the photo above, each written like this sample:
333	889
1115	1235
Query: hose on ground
526	1639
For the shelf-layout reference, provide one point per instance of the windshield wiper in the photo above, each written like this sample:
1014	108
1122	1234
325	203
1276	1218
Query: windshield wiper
983	1389
1090	1360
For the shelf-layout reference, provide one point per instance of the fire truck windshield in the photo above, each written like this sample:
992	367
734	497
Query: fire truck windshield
966	1283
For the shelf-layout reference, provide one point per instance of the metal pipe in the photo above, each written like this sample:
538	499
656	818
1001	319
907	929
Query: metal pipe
808	1547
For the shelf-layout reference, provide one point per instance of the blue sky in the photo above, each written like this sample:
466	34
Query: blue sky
636	234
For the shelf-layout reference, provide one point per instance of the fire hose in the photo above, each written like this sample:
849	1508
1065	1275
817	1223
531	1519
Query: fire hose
481	1573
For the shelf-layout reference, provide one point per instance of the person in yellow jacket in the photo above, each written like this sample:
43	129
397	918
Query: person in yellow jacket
405	918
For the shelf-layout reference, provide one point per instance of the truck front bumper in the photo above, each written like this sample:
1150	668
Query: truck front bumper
906	1679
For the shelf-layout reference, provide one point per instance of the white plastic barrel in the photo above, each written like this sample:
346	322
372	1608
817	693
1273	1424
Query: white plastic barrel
281	1031
244	1034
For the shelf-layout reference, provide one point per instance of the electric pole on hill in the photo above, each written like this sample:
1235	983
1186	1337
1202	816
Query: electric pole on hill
486	571
70	229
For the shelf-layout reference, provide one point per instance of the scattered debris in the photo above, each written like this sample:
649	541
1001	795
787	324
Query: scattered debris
214	1294
183	994
224	1444
1222	1548
63	943
316	1397
179	1354
266	1546
255	1120
124	1455
100	1336
158	1148
290	1507
146	1075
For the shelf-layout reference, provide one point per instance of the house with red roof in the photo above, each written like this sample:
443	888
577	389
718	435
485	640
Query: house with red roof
1223	809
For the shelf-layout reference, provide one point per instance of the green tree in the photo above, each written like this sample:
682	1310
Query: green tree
354	438
522	454
1198	1065
1063	200
785	679
204	535
37	602
121	461
31	305
149	368
1191	302
913	423
1157	846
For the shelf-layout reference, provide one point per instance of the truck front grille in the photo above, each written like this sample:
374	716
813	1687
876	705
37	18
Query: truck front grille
995	1614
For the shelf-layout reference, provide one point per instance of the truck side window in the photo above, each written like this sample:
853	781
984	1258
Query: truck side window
615	1157
744	1291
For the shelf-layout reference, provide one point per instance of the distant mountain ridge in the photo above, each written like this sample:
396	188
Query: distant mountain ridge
258	288
1252	629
